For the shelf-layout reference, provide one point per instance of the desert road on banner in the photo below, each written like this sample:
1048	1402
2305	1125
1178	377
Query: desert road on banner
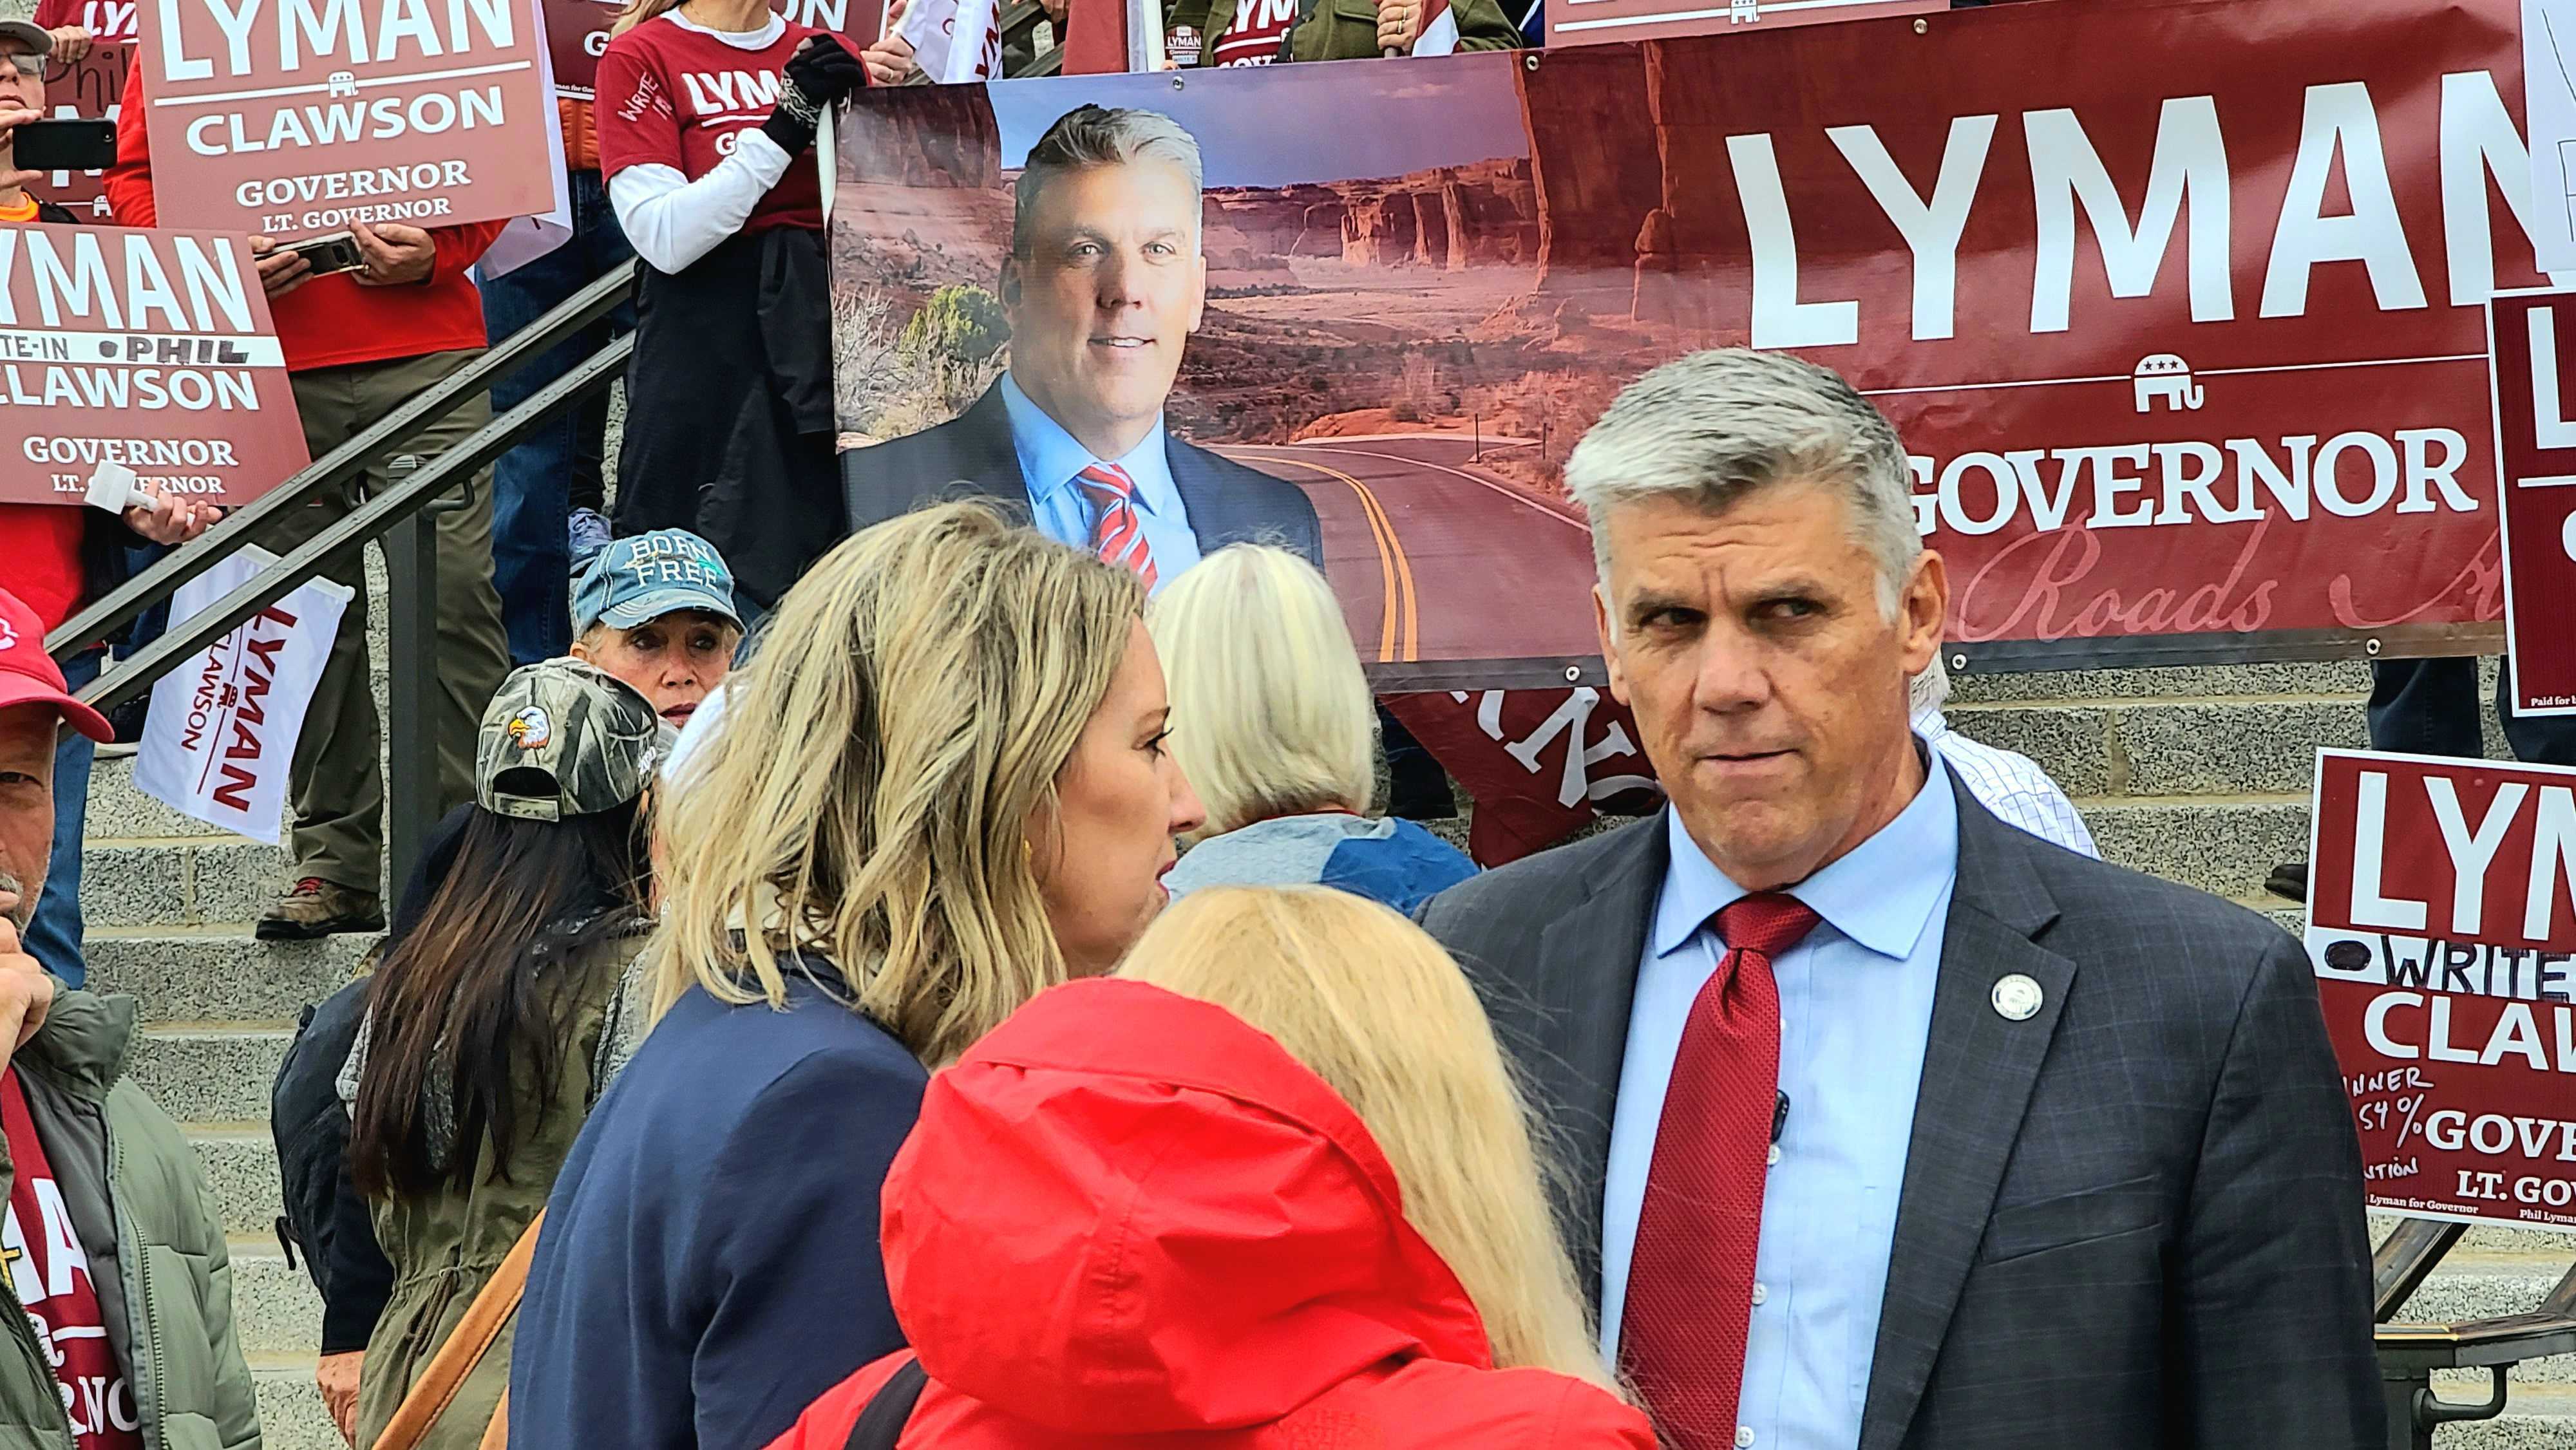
1466	564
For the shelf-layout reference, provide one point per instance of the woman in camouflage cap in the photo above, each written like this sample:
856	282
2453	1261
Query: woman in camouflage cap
489	1022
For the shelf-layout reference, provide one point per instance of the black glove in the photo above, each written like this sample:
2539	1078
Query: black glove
822	73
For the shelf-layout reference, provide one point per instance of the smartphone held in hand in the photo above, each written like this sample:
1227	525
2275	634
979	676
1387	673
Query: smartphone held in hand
64	145
330	254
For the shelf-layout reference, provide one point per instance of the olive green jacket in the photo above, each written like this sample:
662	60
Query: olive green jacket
445	1246
131	1182
1343	29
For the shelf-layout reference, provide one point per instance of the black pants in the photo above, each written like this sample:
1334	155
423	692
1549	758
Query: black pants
2431	707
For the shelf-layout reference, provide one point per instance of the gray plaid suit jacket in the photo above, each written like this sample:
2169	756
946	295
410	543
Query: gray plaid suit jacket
2134	1220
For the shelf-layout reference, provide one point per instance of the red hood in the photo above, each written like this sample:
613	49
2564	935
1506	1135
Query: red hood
1128	1212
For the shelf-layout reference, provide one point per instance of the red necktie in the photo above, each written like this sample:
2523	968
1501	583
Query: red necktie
1690	1280
1119	537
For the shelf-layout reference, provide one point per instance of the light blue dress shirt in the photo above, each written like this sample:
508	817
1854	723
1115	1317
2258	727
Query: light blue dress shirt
1855	1017
1049	460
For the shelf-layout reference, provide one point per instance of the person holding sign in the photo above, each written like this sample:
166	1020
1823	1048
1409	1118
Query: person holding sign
706	113
360	344
62	556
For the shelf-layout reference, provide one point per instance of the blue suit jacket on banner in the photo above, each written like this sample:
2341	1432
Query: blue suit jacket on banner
971	456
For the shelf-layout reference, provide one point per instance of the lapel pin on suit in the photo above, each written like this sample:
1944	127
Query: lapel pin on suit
2017	998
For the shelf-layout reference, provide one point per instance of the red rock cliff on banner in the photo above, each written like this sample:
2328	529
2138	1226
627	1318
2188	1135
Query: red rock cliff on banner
294	118
151	349
2442	926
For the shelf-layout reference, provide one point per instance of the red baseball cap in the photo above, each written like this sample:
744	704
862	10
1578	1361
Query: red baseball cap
29	676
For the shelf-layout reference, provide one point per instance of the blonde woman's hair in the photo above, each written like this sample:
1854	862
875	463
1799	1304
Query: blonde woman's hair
870	794
1271	715
639	11
1373	1006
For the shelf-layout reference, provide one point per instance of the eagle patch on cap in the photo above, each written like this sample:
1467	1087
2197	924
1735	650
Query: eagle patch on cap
531	729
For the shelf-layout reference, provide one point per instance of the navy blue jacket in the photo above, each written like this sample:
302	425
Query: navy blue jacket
970	456
709	1261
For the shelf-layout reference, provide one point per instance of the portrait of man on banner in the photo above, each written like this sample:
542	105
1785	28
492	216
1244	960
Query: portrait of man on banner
1104	282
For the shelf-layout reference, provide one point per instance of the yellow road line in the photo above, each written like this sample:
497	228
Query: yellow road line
1393	568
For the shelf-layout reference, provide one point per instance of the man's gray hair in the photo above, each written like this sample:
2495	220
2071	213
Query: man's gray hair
1718	425
1098	136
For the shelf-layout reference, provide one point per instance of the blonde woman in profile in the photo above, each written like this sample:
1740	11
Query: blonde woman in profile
940	789
1274	726
1272	1187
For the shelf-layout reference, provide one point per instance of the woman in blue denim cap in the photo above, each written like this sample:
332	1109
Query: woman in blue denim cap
1273	724
657	611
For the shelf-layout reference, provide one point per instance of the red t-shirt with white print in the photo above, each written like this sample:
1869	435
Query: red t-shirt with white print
109	22
678	95
1253	36
49	1270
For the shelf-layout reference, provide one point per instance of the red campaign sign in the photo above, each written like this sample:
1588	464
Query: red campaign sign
576	37
1601	22
577	32
2442	925
152	349
2534	346
304	117
1541	764
88	87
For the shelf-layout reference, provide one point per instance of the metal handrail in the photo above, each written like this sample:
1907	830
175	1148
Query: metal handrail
105	616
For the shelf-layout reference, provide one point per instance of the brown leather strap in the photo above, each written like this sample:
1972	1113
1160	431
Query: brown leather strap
437	1386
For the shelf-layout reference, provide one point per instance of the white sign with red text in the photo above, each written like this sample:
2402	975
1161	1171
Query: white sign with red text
221	733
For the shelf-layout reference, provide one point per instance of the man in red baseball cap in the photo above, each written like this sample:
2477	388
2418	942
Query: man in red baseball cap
64	1102
34	704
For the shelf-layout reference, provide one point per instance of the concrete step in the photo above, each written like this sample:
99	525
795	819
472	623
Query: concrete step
2223	845
276	1309
2536	1417
201	1072
218	973
177	881
2192	682
291	1416
118	811
240	1164
2172	748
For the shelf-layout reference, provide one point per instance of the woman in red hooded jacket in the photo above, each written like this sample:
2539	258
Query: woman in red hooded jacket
1271	1187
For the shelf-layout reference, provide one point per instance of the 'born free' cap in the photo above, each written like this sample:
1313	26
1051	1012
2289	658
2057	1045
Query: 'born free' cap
564	738
645	577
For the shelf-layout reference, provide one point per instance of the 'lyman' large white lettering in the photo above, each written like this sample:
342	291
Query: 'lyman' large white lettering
2370	905
2548	428
2190	163
1931	230
2340	118
2471	854
1779	318
2479	141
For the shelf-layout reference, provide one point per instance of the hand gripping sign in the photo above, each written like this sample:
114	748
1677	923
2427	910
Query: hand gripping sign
292	118
2442	925
148	349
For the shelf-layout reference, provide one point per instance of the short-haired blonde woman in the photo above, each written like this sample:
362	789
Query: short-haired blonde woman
938	789
1271	1188
1273	724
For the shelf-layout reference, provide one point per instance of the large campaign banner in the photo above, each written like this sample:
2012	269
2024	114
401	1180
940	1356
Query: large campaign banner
2189	352
295	118
150	349
2442	925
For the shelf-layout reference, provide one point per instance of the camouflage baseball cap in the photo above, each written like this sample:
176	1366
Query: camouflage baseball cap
564	738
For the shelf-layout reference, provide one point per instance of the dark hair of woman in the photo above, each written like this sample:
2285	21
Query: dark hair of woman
459	1010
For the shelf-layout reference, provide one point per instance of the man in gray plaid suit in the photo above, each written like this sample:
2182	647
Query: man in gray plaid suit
1890	1126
